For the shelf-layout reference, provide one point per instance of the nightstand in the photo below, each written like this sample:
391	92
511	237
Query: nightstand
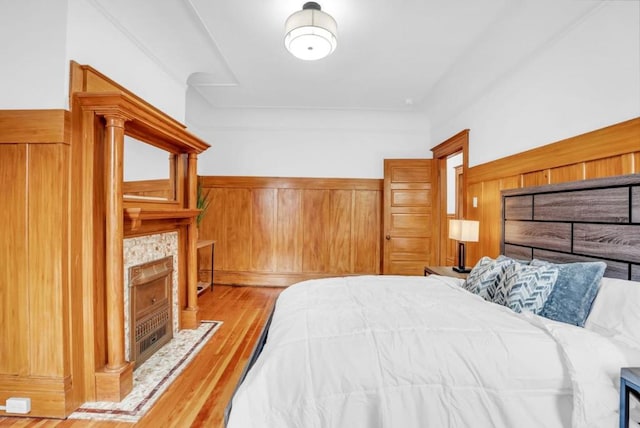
444	271
629	384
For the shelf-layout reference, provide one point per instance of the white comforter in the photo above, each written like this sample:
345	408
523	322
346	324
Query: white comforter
385	351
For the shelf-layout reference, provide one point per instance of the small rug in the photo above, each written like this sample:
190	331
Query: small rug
152	378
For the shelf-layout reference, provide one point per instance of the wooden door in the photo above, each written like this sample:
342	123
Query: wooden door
408	216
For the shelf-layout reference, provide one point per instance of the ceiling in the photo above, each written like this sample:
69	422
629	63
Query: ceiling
390	54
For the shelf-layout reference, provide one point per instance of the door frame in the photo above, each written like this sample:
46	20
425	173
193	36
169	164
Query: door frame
451	146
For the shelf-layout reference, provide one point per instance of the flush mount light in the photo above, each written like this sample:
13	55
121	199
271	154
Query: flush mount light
310	33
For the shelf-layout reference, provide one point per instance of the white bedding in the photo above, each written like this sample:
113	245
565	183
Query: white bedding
387	351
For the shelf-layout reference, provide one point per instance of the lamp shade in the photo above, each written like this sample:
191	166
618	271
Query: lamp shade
464	230
310	33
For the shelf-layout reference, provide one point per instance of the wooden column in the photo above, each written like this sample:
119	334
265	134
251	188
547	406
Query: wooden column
115	380
190	318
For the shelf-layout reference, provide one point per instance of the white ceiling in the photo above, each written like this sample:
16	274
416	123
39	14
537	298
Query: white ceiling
390	54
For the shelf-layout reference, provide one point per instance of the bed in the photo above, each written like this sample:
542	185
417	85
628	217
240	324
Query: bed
391	351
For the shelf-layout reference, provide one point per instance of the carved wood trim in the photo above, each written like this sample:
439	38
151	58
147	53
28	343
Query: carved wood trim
292	182
455	144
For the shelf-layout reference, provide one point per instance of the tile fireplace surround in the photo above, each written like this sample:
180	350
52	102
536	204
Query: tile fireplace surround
144	249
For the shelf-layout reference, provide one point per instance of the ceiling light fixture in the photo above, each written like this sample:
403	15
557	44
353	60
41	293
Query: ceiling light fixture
310	33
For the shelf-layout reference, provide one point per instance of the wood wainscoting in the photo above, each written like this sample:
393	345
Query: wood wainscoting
606	152
36	299
277	231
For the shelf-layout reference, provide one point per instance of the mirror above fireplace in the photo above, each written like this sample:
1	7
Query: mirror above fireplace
148	171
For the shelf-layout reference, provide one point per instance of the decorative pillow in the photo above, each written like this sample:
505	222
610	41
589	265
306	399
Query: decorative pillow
485	276
527	288
577	285
616	311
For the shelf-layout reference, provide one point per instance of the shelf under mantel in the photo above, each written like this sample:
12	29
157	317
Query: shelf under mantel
135	216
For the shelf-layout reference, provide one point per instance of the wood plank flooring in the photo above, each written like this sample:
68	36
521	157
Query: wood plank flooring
200	394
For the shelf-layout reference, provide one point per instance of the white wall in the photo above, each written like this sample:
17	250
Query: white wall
585	78
305	143
33	67
40	37
96	39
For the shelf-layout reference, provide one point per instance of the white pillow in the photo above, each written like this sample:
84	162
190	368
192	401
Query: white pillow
616	311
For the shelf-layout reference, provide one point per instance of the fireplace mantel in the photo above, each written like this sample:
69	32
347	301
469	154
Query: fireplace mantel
134	217
103	112
66	218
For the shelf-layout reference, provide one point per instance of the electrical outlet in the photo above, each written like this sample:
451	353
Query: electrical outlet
18	405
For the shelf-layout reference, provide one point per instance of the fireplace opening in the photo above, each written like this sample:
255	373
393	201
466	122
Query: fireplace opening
151	309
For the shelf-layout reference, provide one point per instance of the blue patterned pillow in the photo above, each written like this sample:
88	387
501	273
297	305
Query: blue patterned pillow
576	287
527	288
486	275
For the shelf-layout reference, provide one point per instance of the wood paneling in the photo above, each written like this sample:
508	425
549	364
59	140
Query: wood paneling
606	167
562	174
316	230
35	317
288	231
237	221
341	237
535	178
162	188
365	240
48	206
298	228
14	290
605	152
263	221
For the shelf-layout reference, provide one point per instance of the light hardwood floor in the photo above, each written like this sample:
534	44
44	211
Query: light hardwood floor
198	397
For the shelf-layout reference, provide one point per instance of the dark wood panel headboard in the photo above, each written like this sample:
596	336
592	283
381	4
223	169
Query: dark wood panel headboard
579	221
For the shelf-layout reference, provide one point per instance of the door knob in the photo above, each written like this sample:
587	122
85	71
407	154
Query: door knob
388	237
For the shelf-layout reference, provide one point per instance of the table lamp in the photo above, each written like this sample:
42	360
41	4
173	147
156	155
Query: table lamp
463	231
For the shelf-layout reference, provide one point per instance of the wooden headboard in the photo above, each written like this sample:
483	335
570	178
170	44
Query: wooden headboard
579	221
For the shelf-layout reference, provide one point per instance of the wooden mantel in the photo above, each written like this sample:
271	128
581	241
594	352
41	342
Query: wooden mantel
103	112
65	218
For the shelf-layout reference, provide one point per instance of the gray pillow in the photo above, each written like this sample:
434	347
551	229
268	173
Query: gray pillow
576	287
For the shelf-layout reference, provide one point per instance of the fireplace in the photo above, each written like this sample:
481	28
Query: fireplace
151	303
150	300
